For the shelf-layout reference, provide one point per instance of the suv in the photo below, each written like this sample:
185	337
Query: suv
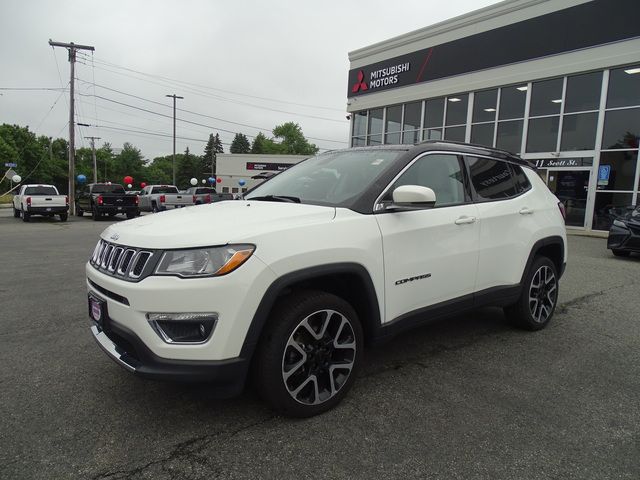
340	251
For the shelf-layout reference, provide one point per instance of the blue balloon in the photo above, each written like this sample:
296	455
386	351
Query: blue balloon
242	183
212	180
81	178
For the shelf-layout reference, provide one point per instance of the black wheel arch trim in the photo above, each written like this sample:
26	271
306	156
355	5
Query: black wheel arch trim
280	285
545	242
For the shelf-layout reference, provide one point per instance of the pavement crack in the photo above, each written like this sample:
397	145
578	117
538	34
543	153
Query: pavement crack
186	449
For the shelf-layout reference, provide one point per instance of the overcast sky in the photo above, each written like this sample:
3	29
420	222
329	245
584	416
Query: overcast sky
290	53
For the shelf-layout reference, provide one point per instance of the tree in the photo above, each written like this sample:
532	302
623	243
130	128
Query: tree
292	140
128	162
240	144
258	145
213	147
187	167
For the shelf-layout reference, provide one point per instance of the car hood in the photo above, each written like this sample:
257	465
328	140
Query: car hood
214	224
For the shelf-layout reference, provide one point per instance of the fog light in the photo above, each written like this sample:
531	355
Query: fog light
191	328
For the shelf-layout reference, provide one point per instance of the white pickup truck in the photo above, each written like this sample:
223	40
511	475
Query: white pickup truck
40	200
156	198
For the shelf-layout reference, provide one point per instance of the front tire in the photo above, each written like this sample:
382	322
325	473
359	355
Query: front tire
537	303
309	354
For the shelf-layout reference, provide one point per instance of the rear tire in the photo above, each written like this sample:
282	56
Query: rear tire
621	253
16	213
64	217
309	353
26	216
131	215
537	303
154	208
96	214
79	211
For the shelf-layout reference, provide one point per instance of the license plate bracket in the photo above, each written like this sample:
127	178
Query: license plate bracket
97	310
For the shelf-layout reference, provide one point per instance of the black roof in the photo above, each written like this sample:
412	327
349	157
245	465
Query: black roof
447	145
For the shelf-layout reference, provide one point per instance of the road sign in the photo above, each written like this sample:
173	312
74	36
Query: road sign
11	165
10	173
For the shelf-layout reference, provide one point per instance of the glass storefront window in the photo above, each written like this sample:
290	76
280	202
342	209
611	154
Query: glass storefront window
485	105
622	170
433	134
621	129
579	132
392	138
375	121
583	92
512	101
608	207
482	134
546	97
412	116
509	136
455	134
457	109
434	113
411	136
543	134
358	142
624	87
394	119
360	123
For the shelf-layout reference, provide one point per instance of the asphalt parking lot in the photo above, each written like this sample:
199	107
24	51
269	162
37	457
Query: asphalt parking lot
465	398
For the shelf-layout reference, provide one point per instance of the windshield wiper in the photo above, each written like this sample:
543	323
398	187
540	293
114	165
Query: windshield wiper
276	198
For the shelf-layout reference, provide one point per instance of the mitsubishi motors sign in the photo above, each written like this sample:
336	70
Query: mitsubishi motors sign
588	24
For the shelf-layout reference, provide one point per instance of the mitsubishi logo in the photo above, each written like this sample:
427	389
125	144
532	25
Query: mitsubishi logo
360	84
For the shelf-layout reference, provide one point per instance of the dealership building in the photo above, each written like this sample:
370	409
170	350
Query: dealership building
238	172
556	81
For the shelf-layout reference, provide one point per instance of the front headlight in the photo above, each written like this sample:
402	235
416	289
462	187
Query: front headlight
204	262
619	223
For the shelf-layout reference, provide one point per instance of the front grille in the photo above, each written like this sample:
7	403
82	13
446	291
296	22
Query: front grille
127	263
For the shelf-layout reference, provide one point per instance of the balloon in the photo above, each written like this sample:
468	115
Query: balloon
129	185
219	180
81	178
204	181
16	179
193	181
241	183
143	184
212	180
128	179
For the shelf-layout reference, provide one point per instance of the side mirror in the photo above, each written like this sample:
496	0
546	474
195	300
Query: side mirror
412	197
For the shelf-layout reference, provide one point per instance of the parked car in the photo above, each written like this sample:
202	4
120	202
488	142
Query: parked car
293	281
201	194
38	199
624	234
156	198
105	199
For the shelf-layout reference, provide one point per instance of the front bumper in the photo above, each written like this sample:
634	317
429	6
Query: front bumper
624	239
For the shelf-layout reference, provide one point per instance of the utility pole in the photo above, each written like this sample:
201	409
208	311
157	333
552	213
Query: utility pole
174	96
72	48
95	164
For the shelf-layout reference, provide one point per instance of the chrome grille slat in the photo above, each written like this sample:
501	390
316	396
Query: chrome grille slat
120	261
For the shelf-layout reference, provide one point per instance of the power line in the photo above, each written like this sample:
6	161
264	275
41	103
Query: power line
102	62
224	99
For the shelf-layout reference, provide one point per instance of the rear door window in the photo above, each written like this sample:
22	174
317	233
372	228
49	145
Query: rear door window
491	179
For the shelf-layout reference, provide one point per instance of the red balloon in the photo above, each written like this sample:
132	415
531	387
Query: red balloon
219	180
128	179
143	184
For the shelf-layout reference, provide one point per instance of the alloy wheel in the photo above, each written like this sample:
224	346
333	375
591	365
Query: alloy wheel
319	357
543	293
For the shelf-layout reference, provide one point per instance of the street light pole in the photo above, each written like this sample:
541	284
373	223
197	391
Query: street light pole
174	96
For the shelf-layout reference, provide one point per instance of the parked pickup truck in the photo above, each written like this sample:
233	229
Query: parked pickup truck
156	198
201	194
105	199
40	200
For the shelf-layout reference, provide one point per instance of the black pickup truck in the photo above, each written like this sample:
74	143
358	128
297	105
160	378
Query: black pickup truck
105	199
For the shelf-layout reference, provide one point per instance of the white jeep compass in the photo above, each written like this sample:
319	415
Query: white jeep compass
341	251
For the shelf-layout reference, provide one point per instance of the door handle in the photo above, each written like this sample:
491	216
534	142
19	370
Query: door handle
463	220
525	211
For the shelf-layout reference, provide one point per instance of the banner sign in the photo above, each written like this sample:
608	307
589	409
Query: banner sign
275	167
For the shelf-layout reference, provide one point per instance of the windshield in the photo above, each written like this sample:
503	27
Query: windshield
40	190
335	178
104	188
165	189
